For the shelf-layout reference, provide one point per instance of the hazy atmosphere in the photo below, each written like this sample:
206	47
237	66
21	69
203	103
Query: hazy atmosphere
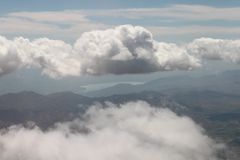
119	80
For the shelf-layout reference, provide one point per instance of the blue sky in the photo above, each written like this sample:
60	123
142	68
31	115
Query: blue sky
168	20
35	5
177	21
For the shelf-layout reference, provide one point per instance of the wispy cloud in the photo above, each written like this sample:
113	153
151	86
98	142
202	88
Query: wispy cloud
63	17
71	23
11	25
193	29
65	24
187	12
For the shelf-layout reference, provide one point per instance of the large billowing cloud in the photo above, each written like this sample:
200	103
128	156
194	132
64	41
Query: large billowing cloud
133	131
215	49
124	49
54	57
128	49
9	58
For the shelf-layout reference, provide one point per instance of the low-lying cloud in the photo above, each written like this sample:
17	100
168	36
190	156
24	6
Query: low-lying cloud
134	130
122	50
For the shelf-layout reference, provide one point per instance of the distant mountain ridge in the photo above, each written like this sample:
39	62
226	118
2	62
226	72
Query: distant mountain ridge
45	110
48	109
225	82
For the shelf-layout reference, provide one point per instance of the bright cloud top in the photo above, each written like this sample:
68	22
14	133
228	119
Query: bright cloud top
133	131
122	50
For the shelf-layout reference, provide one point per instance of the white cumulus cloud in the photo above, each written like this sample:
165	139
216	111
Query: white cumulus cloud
215	49
54	57
135	131
10	60
124	49
129	49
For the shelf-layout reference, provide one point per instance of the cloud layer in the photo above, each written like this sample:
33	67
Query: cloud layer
123	49
133	131
163	21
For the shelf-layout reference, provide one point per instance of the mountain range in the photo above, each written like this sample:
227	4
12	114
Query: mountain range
224	82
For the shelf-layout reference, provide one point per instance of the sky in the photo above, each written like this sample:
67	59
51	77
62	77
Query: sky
169	21
172	21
